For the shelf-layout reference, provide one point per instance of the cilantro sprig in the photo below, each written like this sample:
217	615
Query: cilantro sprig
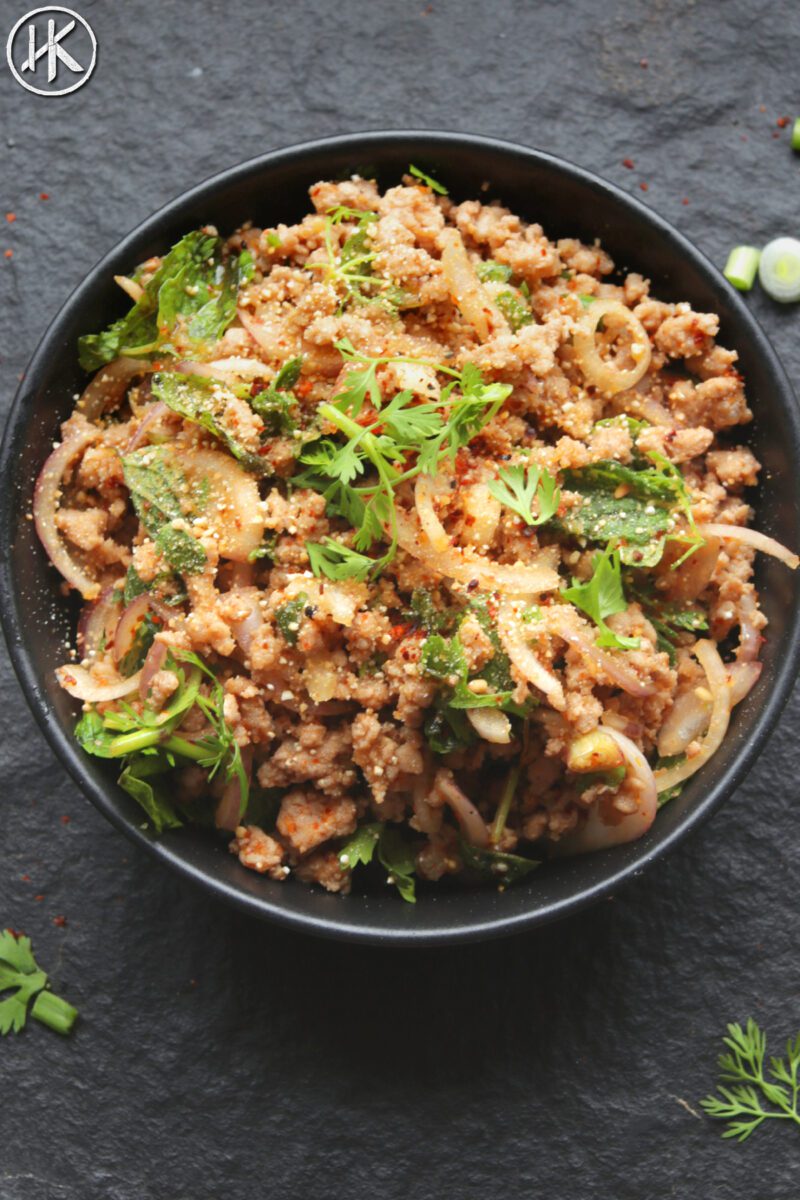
24	979
384	448
602	596
149	743
518	488
744	1082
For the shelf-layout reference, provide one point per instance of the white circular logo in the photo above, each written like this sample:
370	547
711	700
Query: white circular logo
39	57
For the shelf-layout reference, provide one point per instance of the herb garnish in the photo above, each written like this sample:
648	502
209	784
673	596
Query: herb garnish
194	285
743	1077
426	179
394	854
204	403
401	430
601	597
21	975
517	488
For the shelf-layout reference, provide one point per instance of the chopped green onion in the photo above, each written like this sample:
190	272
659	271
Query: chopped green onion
741	267
779	270
796	134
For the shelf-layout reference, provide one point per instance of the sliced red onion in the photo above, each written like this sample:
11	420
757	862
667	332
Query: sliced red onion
84	686
742	677
98	621
228	812
247	626
472	823
605	825
151	417
128	624
751	537
256	331
109	386
750	638
45	503
156	656
623	676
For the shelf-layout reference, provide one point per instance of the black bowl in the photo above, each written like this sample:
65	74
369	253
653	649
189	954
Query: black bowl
567	201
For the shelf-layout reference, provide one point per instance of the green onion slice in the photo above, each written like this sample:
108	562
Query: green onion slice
741	267
779	270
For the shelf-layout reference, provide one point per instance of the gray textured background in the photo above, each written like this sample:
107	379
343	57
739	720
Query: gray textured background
217	1057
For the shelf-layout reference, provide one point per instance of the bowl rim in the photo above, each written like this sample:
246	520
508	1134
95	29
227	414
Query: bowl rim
65	747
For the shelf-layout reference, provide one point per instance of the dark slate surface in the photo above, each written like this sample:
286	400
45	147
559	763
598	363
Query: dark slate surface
220	1057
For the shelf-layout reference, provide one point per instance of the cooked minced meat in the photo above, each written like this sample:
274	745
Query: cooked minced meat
407	534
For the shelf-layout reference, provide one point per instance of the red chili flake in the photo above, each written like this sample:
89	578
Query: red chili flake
40	896
685	200
782	122
9	254
644	63
11	217
762	108
65	820
60	921
26	877
257	387
743	137
629	163
401	630
644	186
303	388
44	195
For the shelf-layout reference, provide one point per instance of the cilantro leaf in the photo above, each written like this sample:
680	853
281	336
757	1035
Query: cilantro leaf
21	975
426	179
517	490
360	849
447	729
394	854
601	597
336	561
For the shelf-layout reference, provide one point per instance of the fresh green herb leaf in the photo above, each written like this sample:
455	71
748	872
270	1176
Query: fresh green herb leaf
744	1083
490	271
611	779
447	729
585	300
288	617
266	549
93	736
134	586
515	311
336	561
21	975
610	476
360	849
159	493
205	402
193	283
142	641
136	780
517	490
503	868
426	179
397	856
394	854
425	613
273	239
601	597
